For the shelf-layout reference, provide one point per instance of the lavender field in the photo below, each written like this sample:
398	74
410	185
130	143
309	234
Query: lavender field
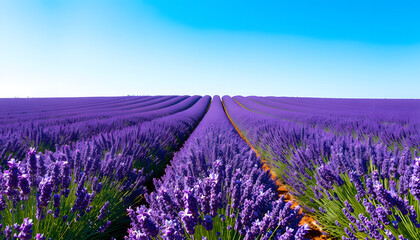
194	167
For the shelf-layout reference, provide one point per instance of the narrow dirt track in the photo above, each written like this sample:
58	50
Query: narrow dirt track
315	232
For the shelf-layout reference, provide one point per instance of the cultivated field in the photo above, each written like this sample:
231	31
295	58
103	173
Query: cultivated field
192	167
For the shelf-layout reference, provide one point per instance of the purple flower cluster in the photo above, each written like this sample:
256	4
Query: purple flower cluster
415	180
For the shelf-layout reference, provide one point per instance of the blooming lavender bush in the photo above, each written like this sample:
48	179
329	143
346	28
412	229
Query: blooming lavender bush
215	188
62	204
357	185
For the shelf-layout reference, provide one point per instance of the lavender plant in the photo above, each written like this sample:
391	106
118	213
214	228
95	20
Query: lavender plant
59	204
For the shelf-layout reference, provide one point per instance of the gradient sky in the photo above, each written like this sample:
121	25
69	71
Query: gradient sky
337	48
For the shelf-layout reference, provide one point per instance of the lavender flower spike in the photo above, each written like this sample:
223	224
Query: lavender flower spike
415	179
26	229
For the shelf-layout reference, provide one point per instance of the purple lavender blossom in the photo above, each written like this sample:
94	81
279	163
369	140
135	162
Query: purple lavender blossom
349	216
191	203
337	223
188	221
208	223
104	227
65	176
24	185
382	215
327	177
46	186
247	213
146	224
236	194
55	175
350	234
56	204
8	230
3	203
288	235
16	227
40	236
354	178
348	206
32	166
170	231
26	229
12	179
415	179
103	210
390	235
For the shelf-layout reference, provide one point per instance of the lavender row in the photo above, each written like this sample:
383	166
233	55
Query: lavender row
91	115
78	111
81	190
215	188
12	142
356	187
390	121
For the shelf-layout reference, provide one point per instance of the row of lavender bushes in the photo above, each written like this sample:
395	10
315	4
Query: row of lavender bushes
392	121
81	190
359	186
80	122
215	188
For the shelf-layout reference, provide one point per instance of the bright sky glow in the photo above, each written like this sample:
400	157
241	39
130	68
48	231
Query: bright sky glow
282	48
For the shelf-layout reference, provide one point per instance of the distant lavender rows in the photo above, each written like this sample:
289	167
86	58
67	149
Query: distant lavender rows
392	120
352	163
80	121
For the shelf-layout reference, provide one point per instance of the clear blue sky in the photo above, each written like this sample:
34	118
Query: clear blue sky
334	48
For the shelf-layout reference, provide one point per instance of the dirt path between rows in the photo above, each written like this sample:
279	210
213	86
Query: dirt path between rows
315	232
